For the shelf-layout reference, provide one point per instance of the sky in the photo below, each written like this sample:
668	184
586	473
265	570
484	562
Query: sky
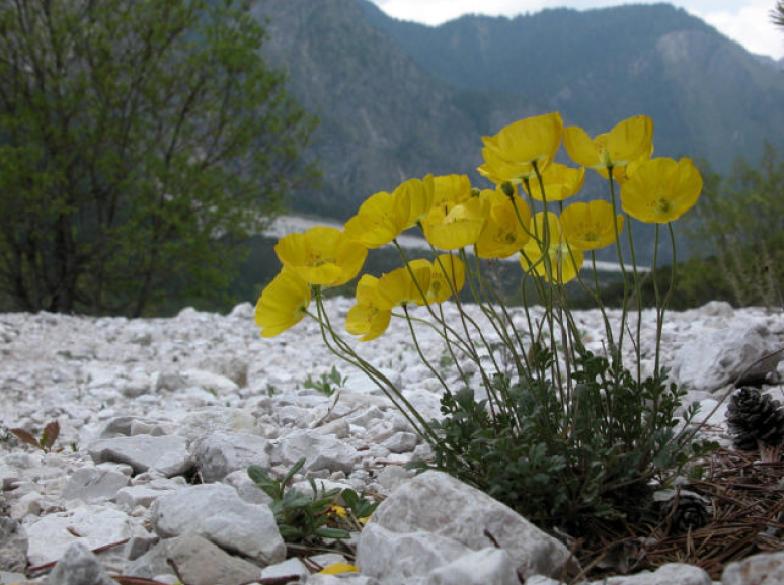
745	21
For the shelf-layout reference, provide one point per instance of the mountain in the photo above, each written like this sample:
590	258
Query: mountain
398	99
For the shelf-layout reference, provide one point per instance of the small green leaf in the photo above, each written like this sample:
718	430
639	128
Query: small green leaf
328	532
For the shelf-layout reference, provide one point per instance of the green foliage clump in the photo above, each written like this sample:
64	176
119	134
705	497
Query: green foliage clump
301	518
565	465
141	143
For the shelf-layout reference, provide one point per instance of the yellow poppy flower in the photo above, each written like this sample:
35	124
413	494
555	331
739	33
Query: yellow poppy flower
589	226
413	199
661	190
450	189
503	233
560	182
447	274
565	260
338	569
371	315
377	223
399	288
450	226
511	154
282	303
629	140
322	255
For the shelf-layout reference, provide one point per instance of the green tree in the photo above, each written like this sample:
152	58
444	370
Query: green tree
741	228
777	14
140	144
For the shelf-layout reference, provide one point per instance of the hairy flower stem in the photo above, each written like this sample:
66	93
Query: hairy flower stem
618	351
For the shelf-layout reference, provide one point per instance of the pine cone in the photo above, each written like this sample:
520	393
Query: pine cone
754	417
686	510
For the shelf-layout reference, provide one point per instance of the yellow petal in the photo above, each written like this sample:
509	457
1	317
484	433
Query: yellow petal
338	569
455	226
590	225
377	222
413	199
630	140
282	304
450	189
447	276
560	182
581	148
399	287
506	229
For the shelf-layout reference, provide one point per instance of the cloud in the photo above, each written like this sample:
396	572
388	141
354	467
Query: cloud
749	25
746	21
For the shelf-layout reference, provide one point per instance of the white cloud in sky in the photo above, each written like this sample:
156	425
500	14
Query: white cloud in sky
745	21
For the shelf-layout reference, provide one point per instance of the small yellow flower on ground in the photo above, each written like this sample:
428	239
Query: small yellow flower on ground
322	255
560	182
590	226
370	316
282	303
661	190
505	230
564	261
511	154
338	569
629	140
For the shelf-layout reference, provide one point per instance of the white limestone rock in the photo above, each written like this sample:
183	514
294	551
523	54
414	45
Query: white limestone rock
322	452
200	562
762	569
221	453
490	565
217	512
669	574
13	545
166	454
710	361
437	503
50	536
392	556
95	484
79	567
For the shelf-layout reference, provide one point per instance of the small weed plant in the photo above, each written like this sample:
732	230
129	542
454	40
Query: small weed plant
308	519
45	442
570	436
328	382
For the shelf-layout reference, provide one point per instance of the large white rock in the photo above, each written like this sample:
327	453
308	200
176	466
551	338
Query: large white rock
490	565
13	545
220	453
94	484
669	574
166	454
217	418
762	569
394	556
715	359
200	562
209	381
79	567
217	512
442	505
50	536
322	452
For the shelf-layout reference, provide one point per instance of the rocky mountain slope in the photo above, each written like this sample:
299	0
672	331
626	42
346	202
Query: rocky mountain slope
399	99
